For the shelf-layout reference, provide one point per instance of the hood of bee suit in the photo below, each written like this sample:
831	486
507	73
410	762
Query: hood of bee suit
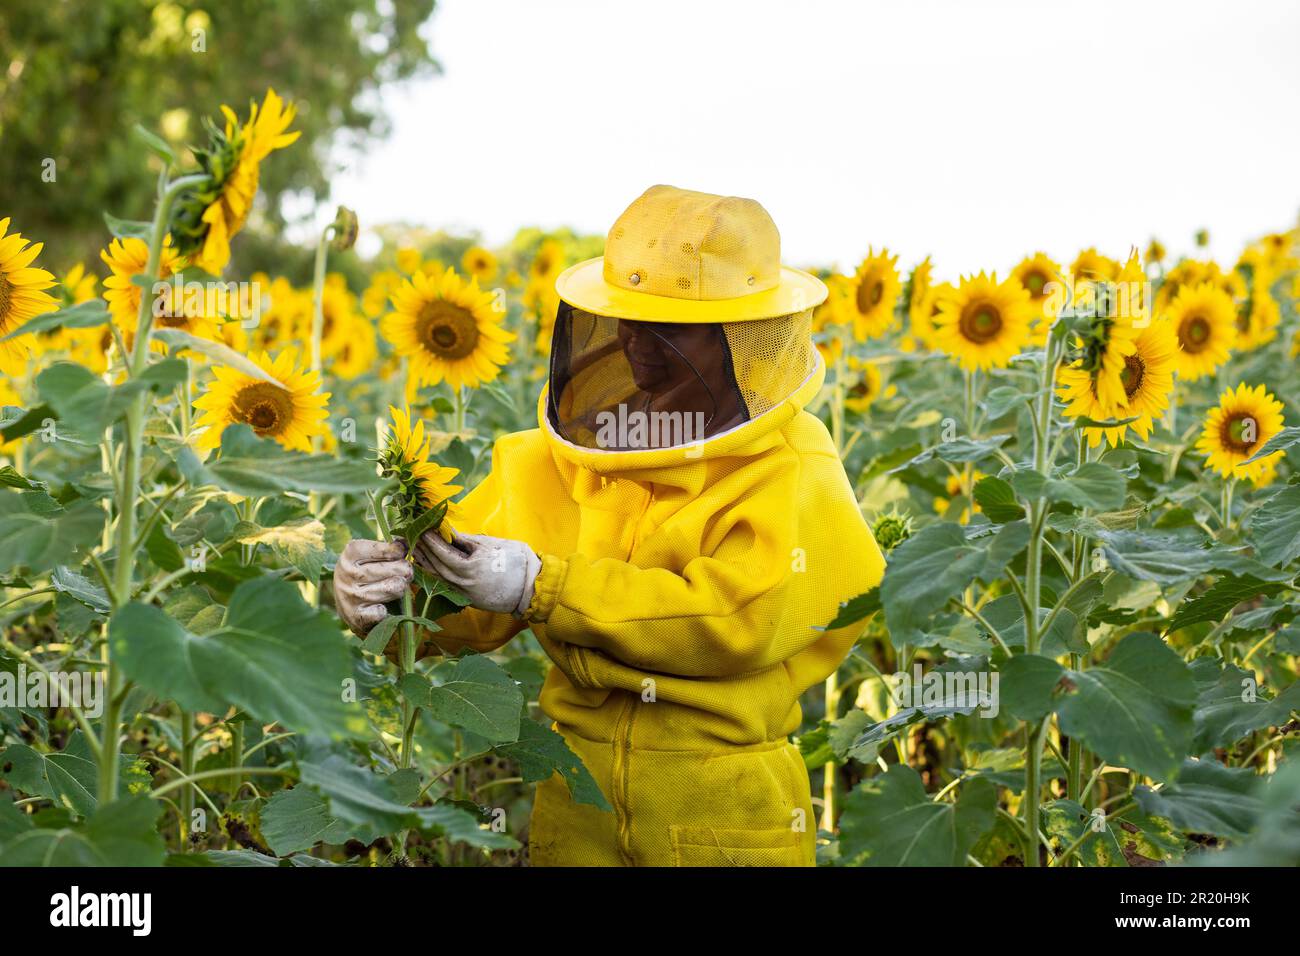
687	341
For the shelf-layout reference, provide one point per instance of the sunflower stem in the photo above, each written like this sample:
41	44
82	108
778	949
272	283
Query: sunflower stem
1033	588
129	490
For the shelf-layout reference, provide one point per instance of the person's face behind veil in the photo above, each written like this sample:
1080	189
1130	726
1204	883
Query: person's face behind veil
683	368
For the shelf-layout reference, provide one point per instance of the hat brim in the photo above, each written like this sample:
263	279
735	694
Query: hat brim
583	286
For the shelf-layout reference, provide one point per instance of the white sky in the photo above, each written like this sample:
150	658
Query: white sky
975	132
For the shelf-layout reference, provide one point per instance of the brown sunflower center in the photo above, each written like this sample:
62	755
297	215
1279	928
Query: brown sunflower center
1194	332
447	330
266	407
862	389
1035	281
980	322
6	296
1132	374
1239	433
870	292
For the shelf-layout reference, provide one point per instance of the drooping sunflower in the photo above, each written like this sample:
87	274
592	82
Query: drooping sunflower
292	413
1204	319
422	484
127	258
1148	380
22	295
1239	426
874	292
447	329
984	323
480	263
233	161
1041	278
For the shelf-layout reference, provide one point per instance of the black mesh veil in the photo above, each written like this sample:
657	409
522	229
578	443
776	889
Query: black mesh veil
620	385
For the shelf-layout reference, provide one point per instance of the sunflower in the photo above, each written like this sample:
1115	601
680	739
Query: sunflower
1155	250
872	295
480	263
984	323
447	329
22	296
338	314
918	286
1204	319
547	263
233	163
422	484
292	413
1091	266
76	286
1238	427
128	258
922	320
1037	273
357	354
831	309
374	300
1257	320
1148	380
868	387
1192	272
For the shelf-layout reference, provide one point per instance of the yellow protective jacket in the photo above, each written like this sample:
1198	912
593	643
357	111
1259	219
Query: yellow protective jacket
683	602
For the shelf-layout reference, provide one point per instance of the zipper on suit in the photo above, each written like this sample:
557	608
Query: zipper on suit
621	770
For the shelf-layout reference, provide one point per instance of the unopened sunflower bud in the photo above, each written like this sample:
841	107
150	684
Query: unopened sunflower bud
891	530
345	229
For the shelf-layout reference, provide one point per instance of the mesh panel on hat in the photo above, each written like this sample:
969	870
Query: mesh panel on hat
621	385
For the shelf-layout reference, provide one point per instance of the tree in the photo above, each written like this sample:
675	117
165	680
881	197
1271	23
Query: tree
75	76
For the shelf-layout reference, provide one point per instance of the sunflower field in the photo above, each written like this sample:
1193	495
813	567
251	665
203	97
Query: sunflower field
1082	471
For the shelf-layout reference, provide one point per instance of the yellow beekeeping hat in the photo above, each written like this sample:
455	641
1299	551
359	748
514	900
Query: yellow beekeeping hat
682	256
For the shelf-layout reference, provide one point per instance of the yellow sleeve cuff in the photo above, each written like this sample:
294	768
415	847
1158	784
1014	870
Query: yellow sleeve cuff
546	587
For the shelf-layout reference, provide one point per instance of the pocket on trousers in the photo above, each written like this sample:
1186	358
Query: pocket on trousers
715	846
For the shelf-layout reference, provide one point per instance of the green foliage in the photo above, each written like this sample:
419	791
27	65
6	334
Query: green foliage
59	105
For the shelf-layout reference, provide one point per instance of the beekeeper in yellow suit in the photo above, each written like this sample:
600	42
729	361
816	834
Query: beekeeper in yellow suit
677	532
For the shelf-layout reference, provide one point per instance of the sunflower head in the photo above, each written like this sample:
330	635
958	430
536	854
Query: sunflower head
208	217
421	485
866	388
448	329
869	304
291	412
1040	277
22	296
1147	378
479	263
126	259
1238	427
1204	318
984	323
